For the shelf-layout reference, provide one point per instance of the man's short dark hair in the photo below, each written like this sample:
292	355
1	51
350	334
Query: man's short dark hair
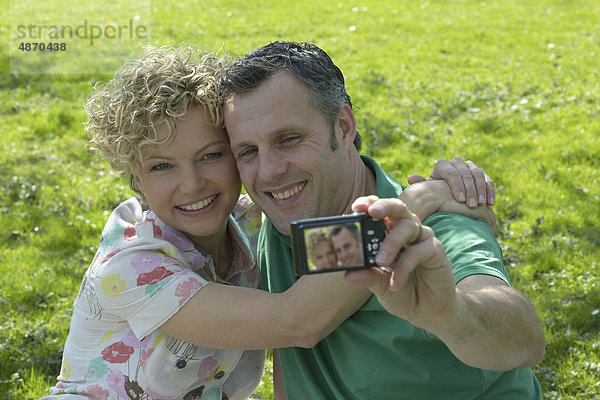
307	63
350	227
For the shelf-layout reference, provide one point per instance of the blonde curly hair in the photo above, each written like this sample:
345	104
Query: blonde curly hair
314	237
156	88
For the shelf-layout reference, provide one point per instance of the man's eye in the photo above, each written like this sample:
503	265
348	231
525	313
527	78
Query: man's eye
160	167
246	153
289	139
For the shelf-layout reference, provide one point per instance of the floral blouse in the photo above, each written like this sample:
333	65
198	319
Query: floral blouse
144	271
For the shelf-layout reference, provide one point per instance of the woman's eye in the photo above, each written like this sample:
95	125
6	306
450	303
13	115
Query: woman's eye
211	156
160	167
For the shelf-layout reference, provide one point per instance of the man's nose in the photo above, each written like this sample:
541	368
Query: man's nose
272	165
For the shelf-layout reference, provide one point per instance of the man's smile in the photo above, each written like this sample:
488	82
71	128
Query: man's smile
286	193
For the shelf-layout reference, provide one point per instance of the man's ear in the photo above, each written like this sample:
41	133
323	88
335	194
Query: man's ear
347	126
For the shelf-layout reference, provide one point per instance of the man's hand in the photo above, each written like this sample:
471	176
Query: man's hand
419	285
468	183
483	321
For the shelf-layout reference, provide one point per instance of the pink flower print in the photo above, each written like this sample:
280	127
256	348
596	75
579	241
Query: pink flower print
208	367
199	261
177	239
109	255
144	356
130	233
145	262
153	277
96	392
117	353
156	396
132	341
186	289
172	261
116	381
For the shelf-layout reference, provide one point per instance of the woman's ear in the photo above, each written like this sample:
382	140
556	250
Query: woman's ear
136	185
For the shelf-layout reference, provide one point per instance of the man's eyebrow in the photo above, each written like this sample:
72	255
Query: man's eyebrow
280	131
241	145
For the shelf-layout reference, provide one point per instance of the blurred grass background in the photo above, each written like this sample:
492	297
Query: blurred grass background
512	85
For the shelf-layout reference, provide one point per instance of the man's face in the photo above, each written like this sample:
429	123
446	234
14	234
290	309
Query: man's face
347	248
281	145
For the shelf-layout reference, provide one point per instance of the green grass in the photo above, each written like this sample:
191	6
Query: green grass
512	85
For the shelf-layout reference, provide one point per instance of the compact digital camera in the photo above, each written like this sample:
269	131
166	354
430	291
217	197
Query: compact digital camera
338	243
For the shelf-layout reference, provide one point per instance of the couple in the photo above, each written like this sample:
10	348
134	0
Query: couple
334	247
169	309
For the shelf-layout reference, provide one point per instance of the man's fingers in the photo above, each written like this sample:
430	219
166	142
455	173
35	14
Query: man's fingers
362	204
405	231
392	208
422	255
376	280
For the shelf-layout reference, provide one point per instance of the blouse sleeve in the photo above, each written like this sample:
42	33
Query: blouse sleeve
145	282
248	218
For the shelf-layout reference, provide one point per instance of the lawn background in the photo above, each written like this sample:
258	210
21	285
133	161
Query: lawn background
512	85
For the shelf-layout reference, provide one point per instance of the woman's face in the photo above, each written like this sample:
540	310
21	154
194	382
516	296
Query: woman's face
191	182
323	256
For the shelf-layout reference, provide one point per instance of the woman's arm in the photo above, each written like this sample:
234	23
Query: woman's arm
231	317
223	316
428	197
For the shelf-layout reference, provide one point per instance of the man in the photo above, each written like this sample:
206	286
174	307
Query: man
347	245
464	333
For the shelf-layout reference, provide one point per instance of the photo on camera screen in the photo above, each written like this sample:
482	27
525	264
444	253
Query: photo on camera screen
334	246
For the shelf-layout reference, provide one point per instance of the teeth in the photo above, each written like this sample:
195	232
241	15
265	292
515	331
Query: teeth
288	193
199	205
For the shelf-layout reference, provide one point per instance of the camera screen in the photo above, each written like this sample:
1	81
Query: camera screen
334	246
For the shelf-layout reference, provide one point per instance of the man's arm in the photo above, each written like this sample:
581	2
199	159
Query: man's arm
483	321
491	306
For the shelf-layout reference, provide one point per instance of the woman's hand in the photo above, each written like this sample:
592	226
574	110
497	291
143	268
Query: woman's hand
468	183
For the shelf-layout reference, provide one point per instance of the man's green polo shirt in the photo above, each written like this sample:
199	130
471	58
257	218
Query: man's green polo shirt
374	355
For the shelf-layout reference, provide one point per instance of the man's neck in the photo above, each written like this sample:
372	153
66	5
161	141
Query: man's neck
364	183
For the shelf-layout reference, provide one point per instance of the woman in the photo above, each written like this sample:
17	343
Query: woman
320	250
190	255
